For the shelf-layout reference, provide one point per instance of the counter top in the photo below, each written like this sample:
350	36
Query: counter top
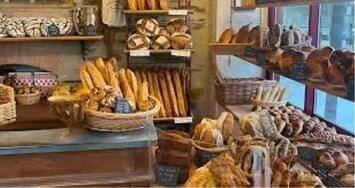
56	140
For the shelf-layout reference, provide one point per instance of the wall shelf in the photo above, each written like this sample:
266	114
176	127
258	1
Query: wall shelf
293	3
56	39
172	12
320	86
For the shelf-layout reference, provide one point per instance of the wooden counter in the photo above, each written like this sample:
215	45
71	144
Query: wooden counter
86	158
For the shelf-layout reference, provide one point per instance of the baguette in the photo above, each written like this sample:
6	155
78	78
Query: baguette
179	93
143	102
141	4
132	80
114	64
278	94
273	93
165	92
113	80
96	77
259	93
152	4
283	94
144	76
150	83
164	4
162	112
127	91
85	77
266	94
100	65
172	94
138	77
183	75
132	4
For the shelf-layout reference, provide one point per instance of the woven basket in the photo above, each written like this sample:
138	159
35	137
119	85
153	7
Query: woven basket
239	90
210	150
7	113
28	99
114	122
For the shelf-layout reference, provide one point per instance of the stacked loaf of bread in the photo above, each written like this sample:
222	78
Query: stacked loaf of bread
147	4
35	26
243	35
150	35
169	87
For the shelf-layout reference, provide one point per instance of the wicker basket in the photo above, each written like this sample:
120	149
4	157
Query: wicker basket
210	150
114	122
28	99
239	90
7	113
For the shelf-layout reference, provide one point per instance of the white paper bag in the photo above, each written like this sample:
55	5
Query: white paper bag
112	13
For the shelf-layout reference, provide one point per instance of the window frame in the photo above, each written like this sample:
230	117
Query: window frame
275	16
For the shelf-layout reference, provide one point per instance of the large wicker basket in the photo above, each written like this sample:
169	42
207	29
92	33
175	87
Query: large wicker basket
28	99
114	122
239	90
8	106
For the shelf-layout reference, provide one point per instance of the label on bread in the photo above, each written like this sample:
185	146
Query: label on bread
182	120
178	12
139	53
181	53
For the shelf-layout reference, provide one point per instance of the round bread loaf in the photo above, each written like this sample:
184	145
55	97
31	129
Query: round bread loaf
148	27
138	42
177	25
181	41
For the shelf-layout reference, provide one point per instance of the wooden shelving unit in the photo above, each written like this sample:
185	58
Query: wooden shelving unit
292	3
172	12
320	86
55	39
167	51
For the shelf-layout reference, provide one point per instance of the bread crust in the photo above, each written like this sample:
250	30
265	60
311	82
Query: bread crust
96	77
172	94
165	92
179	93
127	91
162	112
85	77
132	4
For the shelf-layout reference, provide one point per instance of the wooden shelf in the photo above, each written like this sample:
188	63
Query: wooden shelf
162	51
172	12
48	39
37	5
320	86
174	120
294	3
229	49
244	8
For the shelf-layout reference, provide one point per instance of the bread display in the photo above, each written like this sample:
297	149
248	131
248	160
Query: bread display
287	37
150	35
317	62
242	36
167	86
340	62
132	4
211	133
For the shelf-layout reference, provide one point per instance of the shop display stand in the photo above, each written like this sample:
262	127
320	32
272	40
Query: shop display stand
162	57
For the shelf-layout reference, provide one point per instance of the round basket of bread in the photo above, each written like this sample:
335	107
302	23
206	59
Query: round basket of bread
214	135
116	101
27	95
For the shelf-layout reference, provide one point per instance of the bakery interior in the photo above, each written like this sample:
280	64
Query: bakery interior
177	93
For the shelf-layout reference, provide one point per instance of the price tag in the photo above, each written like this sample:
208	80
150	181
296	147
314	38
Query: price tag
167	175
178	12
139	53
181	53
182	120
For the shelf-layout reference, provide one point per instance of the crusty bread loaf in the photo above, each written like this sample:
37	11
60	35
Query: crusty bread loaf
179	93
85	77
226	36
143	102
113	80
183	77
144	76
114	64
158	94
96	77
165	92
138	77
172	94
127	91
132	80
150	82
141	4
132	4
100	65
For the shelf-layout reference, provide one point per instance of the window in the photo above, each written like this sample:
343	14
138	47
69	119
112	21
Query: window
295	92
336	110
336	28
297	16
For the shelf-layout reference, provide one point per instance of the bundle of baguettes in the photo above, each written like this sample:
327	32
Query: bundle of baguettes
148	4
99	74
274	94
169	87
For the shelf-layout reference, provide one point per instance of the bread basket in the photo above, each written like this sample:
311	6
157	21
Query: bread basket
28	99
267	103
115	122
7	105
